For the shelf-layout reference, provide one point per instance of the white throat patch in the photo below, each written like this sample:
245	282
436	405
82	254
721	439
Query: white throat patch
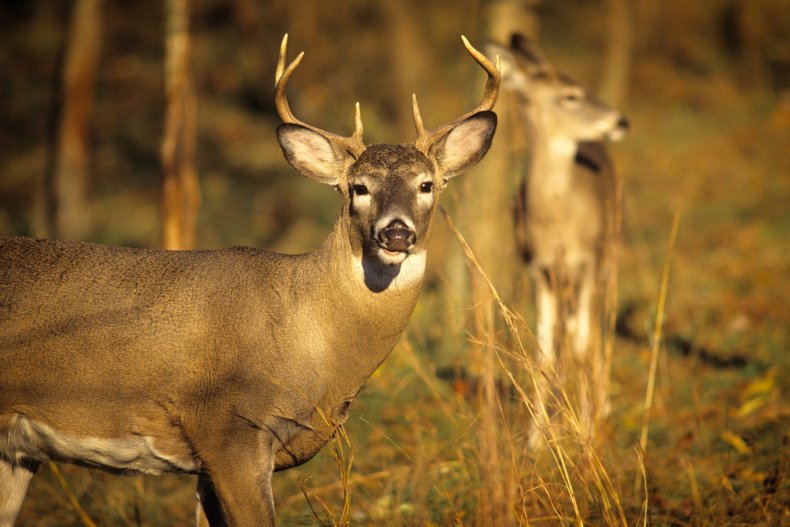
379	276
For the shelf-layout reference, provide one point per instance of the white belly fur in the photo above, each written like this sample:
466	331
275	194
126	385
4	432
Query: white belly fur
134	453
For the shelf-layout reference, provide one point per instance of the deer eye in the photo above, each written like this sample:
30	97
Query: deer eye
426	187
360	190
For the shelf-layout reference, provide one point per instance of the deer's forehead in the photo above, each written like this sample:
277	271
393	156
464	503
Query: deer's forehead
550	79
403	161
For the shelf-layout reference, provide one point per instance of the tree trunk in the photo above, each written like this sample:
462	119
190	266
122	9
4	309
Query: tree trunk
617	63
66	210
181	193
406	56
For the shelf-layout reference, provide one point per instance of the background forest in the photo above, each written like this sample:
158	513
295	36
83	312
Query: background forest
437	437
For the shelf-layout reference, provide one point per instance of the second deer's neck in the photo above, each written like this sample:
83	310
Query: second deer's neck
551	164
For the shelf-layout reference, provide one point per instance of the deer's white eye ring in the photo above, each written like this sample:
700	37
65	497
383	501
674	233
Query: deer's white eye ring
426	187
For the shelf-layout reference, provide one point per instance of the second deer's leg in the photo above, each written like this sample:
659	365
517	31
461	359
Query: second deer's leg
547	306
546	370
587	359
584	314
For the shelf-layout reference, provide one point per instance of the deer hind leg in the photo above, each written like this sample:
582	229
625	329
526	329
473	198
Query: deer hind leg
14	480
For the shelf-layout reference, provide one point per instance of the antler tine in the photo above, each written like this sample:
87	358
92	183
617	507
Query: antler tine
353	143
281	77
492	84
415	111
425	139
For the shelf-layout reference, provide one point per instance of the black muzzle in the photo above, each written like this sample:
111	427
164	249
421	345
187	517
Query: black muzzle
396	237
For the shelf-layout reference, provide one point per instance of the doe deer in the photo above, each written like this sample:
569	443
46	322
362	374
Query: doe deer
566	205
229	364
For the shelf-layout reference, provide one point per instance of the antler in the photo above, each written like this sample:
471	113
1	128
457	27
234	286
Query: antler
425	139
352	143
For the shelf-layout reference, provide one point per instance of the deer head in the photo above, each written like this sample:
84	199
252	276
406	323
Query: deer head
389	192
553	101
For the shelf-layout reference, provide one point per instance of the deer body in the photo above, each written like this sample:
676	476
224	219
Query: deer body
210	350
563	223
566	203
230	364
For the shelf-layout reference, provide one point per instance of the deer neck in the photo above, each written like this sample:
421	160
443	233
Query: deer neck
551	163
366	304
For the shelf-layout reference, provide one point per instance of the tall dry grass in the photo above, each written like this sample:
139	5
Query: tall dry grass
567	481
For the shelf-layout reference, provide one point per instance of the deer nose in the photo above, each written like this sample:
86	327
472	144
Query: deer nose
397	236
623	123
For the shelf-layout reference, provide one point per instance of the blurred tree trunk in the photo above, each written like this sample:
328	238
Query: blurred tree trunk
66	210
181	193
489	225
508	16
617	64
249	17
406	56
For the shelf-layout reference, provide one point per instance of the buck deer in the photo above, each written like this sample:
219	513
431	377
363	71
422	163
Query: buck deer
229	364
566	204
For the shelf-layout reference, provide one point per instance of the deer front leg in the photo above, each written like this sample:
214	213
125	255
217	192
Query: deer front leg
209	510
236	489
14	480
546	371
547	318
584	310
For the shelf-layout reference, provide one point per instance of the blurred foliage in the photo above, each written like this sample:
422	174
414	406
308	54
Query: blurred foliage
709	99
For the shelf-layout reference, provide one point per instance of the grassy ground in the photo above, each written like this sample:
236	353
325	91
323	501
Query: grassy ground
423	451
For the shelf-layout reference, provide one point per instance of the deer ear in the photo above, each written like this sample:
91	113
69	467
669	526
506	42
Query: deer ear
507	63
312	154
528	50
465	144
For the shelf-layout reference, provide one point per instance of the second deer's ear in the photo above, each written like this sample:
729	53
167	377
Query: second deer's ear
466	144
312	154
507	61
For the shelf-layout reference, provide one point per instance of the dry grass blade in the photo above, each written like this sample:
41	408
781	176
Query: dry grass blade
430	380
646	502
343	453
511	318
657	333
84	518
456	517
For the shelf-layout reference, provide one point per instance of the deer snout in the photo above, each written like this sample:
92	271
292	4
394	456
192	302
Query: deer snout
396	237
619	130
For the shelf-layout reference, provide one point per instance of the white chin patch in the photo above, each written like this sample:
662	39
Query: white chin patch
391	257
615	135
